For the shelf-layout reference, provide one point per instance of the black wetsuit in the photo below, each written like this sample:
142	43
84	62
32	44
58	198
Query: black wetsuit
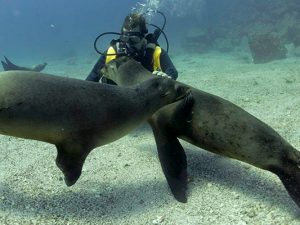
147	61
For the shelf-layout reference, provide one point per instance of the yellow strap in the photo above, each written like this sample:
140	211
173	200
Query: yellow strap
110	50
156	58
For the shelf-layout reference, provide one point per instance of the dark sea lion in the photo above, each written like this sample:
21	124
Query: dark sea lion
77	115
8	65
216	125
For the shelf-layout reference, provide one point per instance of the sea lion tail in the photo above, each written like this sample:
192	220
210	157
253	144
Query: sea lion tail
4	65
9	65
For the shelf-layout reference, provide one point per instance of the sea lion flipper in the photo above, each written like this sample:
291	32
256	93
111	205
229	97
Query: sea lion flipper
70	159
9	65
290	177
170	152
172	158
4	65
173	161
7	60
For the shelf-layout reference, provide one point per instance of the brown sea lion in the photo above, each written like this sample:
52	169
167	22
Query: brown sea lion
77	115
8	65
216	125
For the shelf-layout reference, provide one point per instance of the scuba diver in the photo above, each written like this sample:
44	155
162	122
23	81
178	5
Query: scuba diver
136	42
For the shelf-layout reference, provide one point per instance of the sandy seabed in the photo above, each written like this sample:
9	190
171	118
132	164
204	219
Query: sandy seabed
122	182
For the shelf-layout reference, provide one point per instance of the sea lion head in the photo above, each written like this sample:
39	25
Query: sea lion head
39	67
125	71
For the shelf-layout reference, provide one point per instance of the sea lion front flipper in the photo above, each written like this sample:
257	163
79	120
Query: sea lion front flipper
70	159
170	152
173	162
289	175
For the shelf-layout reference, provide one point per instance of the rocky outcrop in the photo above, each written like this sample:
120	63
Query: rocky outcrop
266	47
225	24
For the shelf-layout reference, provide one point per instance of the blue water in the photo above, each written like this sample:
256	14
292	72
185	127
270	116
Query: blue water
55	29
51	28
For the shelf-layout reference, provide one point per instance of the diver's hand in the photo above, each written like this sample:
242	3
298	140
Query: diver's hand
160	73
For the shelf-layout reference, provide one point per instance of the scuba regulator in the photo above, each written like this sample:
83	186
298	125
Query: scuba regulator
124	49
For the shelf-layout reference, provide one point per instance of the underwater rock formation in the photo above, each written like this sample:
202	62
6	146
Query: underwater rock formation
266	48
243	18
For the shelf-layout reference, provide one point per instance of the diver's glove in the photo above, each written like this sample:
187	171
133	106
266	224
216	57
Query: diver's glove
160	73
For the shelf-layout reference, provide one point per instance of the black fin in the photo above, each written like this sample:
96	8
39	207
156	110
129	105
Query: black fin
70	159
173	162
290	177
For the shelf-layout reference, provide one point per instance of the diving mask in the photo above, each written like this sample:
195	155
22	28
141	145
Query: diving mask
131	37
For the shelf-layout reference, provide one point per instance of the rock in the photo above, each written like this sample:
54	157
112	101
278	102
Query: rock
266	48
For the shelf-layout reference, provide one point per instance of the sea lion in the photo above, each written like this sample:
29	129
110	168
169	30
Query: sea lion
76	115
213	124
8	65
